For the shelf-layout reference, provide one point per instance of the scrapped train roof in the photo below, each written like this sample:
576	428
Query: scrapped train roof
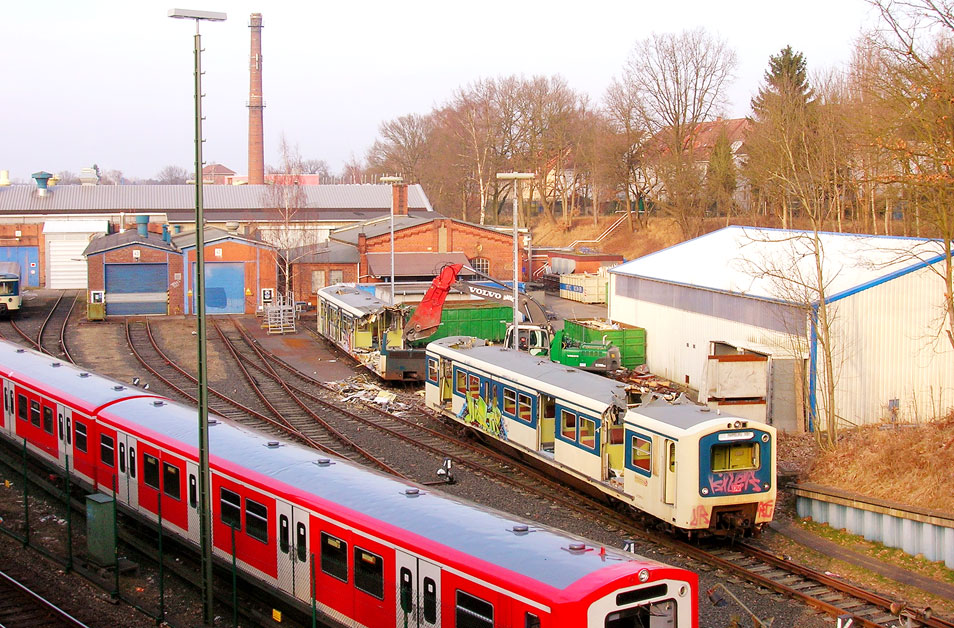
534	371
681	414
87	391
354	301
541	554
9	268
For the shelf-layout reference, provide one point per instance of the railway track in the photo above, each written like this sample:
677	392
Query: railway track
21	607
51	337
288	406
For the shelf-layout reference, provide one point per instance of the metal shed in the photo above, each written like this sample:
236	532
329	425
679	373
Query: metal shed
752	290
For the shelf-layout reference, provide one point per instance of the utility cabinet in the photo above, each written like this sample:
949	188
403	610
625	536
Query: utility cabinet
100	530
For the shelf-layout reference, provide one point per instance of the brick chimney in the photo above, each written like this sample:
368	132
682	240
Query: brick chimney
362	255
256	133
399	198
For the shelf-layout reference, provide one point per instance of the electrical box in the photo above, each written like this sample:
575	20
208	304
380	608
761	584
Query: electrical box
100	530
96	308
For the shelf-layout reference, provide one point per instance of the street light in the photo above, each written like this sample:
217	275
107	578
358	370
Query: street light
516	177
393	181
205	518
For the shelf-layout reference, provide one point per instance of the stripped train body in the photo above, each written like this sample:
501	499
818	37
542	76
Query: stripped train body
374	551
694	469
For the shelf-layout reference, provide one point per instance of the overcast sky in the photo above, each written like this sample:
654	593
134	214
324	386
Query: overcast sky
110	82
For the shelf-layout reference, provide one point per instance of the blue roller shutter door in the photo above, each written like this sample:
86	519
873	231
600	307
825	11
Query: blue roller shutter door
224	287
28	258
136	289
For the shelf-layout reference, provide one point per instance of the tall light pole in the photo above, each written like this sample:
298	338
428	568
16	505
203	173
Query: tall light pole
205	511
516	177
393	181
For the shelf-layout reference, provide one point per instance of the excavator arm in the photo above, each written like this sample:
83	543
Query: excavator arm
427	317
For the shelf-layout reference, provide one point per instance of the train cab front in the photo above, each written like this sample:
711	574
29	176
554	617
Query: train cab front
655	599
737	477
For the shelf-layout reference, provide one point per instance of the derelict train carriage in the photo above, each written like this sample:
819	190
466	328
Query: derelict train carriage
694	469
374	551
369	330
10	299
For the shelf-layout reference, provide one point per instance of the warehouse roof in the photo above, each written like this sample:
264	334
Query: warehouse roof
767	263
178	201
413	264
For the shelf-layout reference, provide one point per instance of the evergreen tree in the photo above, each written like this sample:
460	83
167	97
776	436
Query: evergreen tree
786	79
721	180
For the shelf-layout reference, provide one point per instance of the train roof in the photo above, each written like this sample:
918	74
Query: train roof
80	389
541	555
352	300
9	270
681	414
537	372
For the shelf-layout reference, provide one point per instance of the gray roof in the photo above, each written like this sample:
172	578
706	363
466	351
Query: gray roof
126	238
214	234
378	225
412	264
327	252
178	201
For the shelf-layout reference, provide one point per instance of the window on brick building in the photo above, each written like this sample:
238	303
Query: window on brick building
336	276
481	264
317	280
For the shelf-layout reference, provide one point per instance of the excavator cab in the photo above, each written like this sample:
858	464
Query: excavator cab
534	340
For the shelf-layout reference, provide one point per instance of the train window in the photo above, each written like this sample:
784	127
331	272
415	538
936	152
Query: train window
432	370
69	433
473	612
334	557
283	543
171	484
567	424
672	457
588	432
407	590
59	424
256	520
460	382
549	406
230	504
368	573
473	386
150	471
642	453
531	621
430	601
193	491
510	401
132	462
526	408
80	437
22	406
122	457
107	450
735	457
35	413
301	544
47	419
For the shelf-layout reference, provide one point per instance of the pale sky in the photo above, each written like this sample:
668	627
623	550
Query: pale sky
110	82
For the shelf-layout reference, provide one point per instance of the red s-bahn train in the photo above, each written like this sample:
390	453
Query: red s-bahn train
375	551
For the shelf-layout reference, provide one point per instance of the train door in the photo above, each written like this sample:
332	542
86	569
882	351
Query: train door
547	422
126	471
419	590
294	559
669	482
446	383
9	410
192	473
63	433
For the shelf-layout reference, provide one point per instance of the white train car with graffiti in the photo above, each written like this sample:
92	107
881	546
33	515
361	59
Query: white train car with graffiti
694	469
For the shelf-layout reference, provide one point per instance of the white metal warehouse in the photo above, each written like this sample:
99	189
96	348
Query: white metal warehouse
754	290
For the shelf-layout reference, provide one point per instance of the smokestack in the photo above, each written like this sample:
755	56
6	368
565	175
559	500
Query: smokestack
399	199
42	179
256	140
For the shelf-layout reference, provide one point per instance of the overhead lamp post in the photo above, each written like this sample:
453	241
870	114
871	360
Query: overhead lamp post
205	512
516	177
393	181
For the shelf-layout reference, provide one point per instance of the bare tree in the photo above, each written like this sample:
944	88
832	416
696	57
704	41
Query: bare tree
403	146
172	175
67	177
679	81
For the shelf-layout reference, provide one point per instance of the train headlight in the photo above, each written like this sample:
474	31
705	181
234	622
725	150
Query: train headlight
766	485
705	491
765	438
737	424
643	575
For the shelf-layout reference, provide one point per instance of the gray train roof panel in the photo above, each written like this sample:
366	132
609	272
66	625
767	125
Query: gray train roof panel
357	302
473	530
87	392
538	368
681	414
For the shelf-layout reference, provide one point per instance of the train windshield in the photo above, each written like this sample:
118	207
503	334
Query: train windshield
655	615
735	457
9	287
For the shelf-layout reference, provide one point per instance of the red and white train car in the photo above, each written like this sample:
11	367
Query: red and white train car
374	550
